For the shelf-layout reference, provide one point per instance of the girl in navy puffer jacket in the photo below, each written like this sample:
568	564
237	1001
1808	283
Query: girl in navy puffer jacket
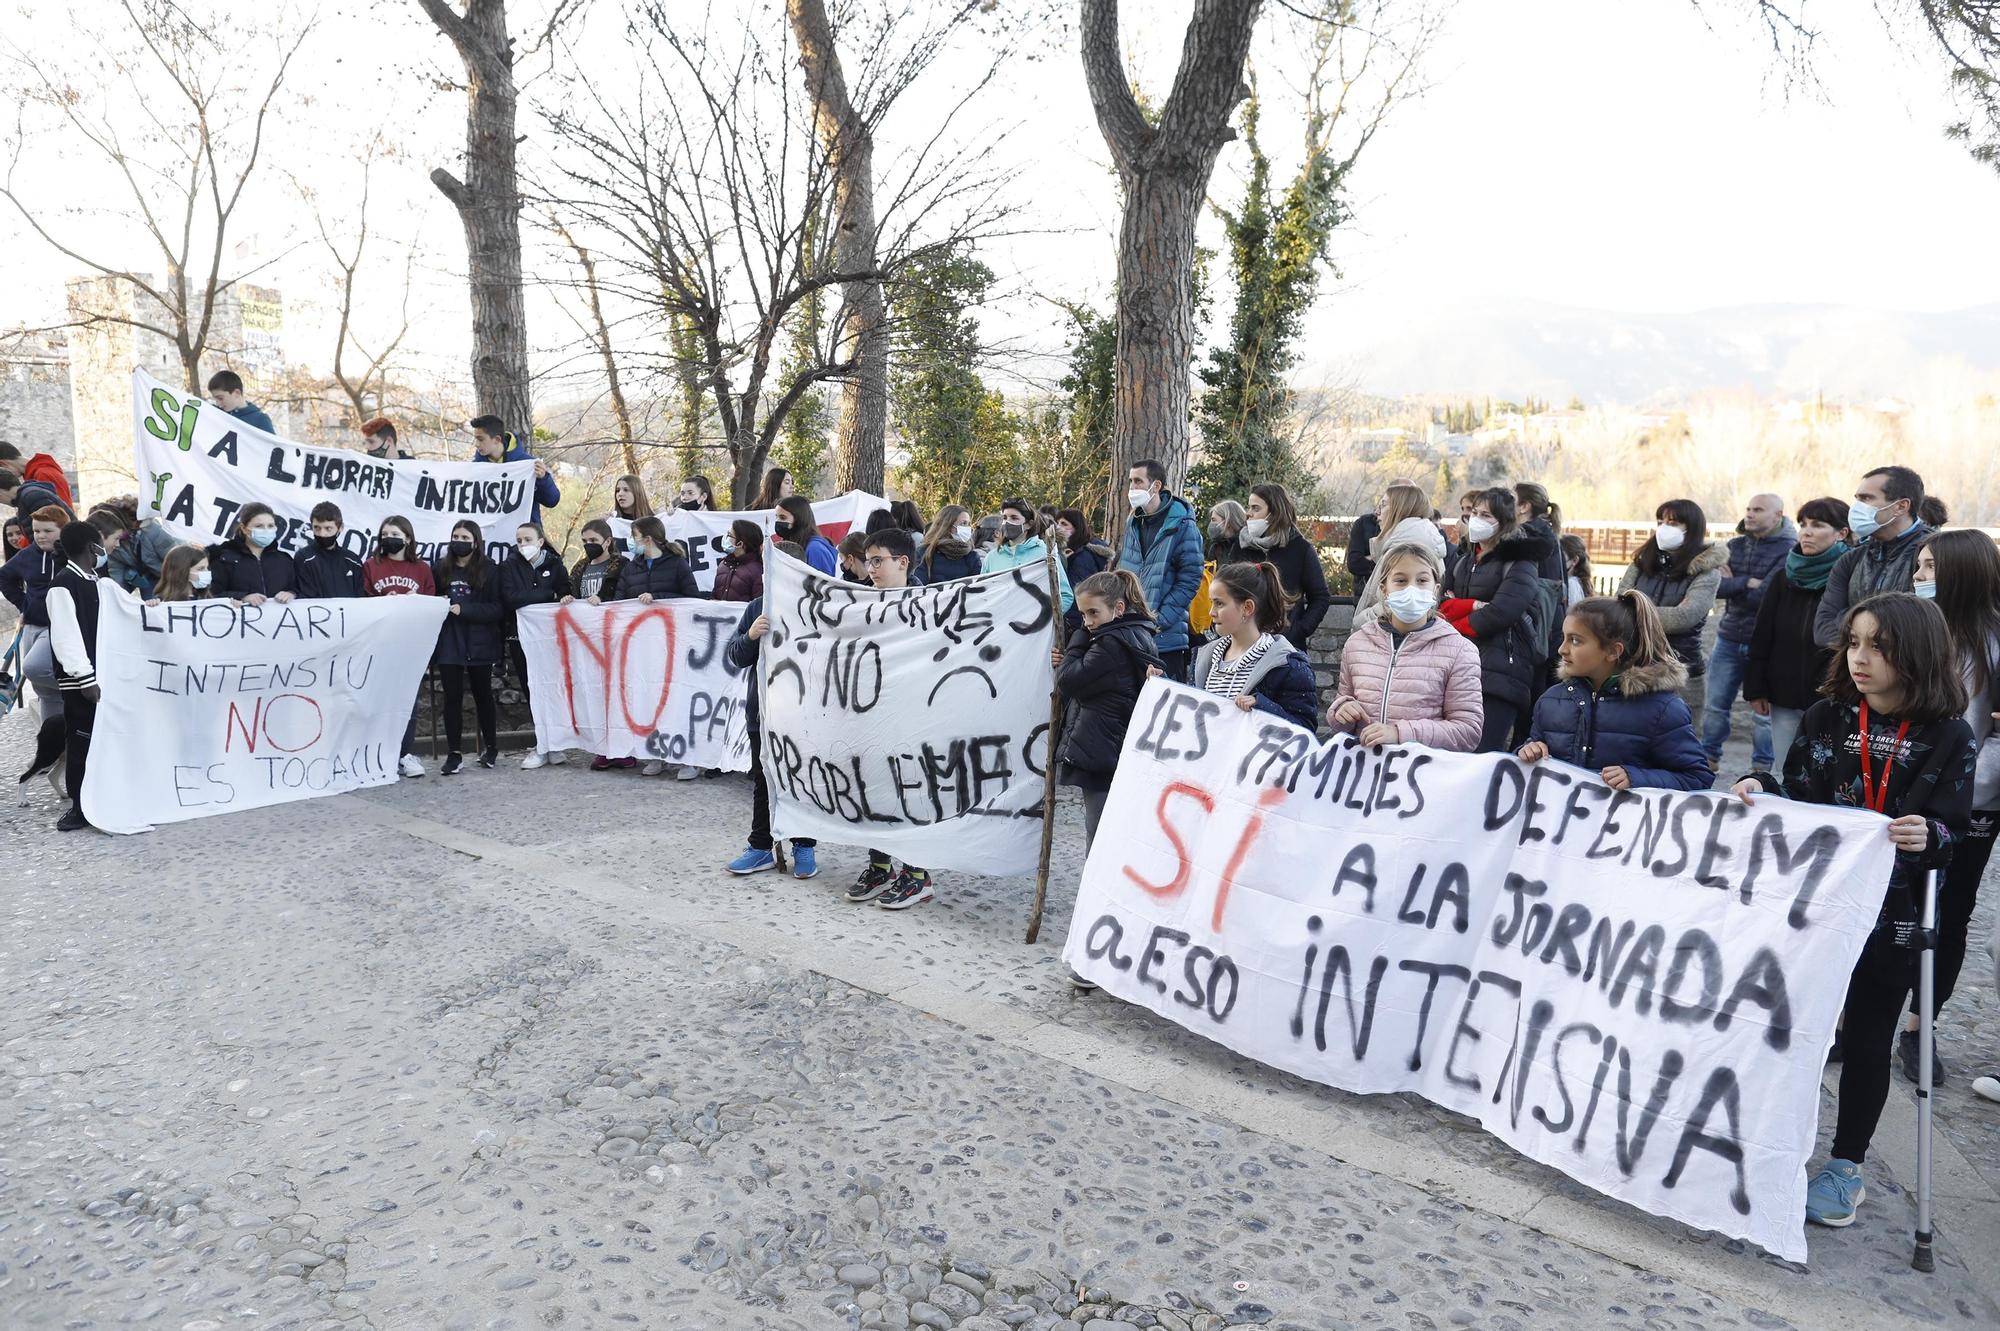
1617	711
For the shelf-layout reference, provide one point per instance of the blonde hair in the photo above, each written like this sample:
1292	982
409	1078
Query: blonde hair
1423	554
1402	502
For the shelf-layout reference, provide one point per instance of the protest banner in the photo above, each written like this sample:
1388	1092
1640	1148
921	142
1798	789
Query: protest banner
628	679
198	466
1636	987
915	721
702	531
210	707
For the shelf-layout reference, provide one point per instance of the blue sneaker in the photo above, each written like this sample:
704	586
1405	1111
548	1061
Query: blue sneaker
1835	1194
805	862
753	860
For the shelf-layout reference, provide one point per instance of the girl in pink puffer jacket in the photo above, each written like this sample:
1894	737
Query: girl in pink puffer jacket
1406	676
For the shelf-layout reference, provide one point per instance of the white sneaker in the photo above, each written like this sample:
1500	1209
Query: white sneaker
556	758
1986	1088
688	774
532	761
409	766
653	767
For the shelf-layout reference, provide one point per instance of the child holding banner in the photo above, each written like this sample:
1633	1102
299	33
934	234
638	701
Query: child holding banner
184	576
249	567
73	637
594	578
743	652
1250	663
1889	736
890	554
1618	710
532	575
1406	675
395	570
469	643
948	552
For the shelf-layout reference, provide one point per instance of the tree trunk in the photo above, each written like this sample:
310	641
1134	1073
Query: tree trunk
1164	169
489	206
864	335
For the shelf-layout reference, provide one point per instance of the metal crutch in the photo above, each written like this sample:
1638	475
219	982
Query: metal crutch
1924	1259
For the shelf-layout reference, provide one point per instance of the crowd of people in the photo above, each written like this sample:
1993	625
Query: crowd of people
1864	639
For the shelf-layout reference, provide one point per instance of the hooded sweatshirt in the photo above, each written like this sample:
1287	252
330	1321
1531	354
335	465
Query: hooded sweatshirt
1032	554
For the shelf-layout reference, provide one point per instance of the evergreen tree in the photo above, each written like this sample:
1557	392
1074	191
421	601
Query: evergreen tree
1275	248
960	438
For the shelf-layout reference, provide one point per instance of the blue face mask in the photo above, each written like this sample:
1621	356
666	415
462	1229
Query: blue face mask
1862	520
263	537
1926	591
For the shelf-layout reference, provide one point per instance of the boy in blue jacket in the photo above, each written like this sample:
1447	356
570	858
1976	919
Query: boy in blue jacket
492	443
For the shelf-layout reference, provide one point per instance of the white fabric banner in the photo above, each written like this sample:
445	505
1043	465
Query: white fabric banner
198	465
702	532
210	707
1637	988
632	680
914	721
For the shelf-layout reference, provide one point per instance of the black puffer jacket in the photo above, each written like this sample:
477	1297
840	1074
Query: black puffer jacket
471	637
665	577
543	582
1101	675
239	572
1505	580
1786	665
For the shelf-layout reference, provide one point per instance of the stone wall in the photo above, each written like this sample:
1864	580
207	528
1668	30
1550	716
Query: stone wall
34	396
1324	651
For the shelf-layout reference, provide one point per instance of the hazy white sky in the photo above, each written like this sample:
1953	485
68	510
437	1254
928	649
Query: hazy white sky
1621	156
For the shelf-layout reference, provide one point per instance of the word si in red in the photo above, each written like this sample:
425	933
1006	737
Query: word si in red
1183	866
608	654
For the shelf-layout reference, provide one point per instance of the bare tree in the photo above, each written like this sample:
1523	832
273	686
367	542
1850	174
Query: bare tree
489	199
602	332
366	389
716	202
185	163
1164	169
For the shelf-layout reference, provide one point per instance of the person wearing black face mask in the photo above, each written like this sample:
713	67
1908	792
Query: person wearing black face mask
594	578
327	568
395	570
469	644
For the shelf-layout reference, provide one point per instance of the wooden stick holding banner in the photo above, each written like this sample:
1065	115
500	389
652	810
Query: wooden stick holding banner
1048	768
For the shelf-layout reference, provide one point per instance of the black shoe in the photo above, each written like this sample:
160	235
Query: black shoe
453	763
911	888
488	757
1906	1059
72	820
872	883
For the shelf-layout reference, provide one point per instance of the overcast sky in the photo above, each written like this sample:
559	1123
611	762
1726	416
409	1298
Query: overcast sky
1620	156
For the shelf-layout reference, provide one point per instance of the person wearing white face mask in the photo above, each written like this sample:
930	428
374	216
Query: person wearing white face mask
739	575
1163	547
947	547
249	566
1407	676
1887	534
1493	590
532	575
1681	572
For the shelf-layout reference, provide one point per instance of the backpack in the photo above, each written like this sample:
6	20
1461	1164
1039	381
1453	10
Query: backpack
1200	610
1544	622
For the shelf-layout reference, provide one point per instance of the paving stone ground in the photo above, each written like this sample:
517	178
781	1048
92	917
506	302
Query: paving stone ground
509	1050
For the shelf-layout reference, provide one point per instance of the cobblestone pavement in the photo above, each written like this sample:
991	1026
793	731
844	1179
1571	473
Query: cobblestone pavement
509	1050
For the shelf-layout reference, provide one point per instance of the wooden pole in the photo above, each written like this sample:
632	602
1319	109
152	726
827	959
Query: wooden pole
1049	767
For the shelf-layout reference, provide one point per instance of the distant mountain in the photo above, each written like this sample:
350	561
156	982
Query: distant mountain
1552	352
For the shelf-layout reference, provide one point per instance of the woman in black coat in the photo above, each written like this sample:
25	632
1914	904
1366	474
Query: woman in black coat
1101	673
470	643
249	566
658	569
1271	535
1500	575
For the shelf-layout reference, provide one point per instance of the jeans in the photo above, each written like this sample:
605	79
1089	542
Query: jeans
760	799
1725	680
1784	729
1093	809
38	667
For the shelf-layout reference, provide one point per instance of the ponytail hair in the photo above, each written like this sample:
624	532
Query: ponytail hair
1117	585
1631	621
1259	583
1534	497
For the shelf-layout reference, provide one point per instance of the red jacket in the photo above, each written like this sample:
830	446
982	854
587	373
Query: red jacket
41	467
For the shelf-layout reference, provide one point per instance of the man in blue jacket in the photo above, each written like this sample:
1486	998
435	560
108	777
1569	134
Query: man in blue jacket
225	390
492	443
1754	559
1163	547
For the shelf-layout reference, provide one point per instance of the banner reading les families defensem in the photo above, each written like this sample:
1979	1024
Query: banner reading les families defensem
1636	987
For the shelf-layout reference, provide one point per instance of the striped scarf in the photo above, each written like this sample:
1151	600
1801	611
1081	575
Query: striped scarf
1226	678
